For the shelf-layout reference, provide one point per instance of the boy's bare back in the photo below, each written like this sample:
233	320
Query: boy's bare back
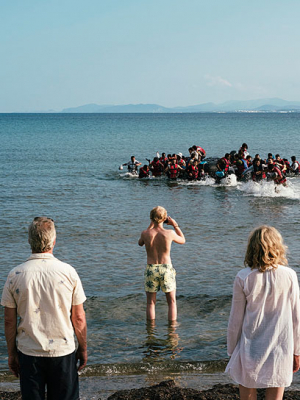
158	240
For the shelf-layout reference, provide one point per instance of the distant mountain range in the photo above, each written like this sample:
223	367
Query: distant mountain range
260	105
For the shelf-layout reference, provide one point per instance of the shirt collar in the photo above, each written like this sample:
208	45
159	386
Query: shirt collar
36	256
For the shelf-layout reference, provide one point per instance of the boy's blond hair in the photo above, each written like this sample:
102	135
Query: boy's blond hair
158	214
265	249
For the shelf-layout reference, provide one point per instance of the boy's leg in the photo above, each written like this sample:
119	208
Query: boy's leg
274	393
171	299
247	393
151	300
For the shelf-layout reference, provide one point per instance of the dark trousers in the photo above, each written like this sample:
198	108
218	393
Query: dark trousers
59	374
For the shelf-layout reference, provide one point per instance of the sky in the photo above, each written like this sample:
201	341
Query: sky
57	54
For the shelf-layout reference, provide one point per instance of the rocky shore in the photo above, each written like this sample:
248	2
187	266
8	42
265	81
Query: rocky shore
168	390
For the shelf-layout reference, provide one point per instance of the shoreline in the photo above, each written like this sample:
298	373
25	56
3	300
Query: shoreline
104	386
169	389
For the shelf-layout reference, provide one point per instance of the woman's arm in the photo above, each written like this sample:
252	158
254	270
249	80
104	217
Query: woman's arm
236	315
296	314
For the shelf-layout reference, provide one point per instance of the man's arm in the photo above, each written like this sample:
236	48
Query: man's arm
178	235
80	329
141	240
10	327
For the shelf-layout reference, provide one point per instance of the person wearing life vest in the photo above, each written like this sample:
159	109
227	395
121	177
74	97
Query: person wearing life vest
287	165
132	165
276	175
249	161
173	169
182	164
280	163
164	159
241	165
224	163
295	167
200	151
193	153
258	170
243	151
144	171
156	167
192	171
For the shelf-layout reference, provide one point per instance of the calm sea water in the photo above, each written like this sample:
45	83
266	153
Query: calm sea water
66	167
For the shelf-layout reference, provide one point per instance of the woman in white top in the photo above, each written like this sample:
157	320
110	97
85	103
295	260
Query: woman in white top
263	336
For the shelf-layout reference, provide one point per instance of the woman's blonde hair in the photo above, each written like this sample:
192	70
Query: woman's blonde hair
158	214
265	249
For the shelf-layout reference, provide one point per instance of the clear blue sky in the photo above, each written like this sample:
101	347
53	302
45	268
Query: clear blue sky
66	53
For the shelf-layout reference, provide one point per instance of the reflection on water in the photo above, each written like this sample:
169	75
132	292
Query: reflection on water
158	349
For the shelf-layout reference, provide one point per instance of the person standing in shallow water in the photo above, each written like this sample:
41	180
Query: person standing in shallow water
263	337
48	297
159	273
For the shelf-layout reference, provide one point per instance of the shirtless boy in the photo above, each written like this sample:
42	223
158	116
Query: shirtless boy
159	272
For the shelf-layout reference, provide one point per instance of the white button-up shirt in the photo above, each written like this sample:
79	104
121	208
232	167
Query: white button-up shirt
264	327
43	290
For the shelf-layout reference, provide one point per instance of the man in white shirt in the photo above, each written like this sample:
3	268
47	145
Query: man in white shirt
295	167
132	165
48	297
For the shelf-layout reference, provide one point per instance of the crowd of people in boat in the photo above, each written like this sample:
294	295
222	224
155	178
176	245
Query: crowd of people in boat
197	166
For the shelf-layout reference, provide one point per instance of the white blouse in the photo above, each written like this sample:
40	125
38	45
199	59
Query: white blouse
264	327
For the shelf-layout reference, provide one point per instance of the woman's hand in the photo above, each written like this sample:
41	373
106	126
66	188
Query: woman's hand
296	363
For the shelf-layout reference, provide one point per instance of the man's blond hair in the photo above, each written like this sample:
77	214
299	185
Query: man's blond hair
158	214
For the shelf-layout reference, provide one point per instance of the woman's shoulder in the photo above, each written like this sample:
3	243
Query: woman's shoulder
245	272
284	269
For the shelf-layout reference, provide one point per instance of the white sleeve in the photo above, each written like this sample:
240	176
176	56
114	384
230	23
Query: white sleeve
236	315
296	314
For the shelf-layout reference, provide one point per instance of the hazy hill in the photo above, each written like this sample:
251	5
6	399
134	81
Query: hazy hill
259	105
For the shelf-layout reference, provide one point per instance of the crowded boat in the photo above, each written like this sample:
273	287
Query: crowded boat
197	166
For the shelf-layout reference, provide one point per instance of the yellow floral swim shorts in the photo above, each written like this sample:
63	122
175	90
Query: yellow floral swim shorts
160	276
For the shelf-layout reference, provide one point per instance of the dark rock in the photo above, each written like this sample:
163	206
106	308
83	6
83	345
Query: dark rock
169	391
10	396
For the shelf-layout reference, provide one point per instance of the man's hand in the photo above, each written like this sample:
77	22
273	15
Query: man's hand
13	363
296	363
10	327
172	222
81	355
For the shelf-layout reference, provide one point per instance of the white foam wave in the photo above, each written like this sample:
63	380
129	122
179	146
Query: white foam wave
208	181
129	175
230	180
269	189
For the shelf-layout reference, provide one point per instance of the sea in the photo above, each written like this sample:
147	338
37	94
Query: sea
66	166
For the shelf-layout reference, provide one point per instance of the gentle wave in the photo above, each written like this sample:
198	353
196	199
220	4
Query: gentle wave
145	368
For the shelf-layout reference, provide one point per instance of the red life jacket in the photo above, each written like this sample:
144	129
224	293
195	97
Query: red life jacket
156	168
240	167
173	168
280	178
226	164
143	173
163	160
194	171
201	149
